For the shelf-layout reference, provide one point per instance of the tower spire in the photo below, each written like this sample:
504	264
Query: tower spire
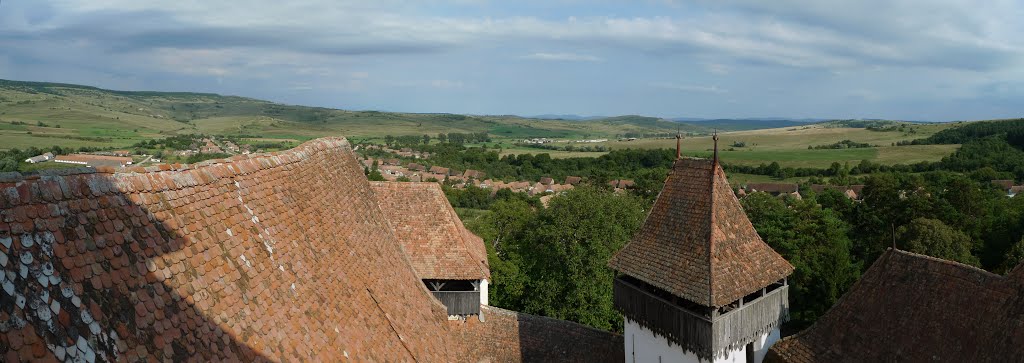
715	137
679	138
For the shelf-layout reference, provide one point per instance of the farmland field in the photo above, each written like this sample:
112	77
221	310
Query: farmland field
789	146
42	115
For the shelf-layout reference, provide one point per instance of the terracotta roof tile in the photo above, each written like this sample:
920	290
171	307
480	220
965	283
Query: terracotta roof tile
914	308
697	242
508	336
147	255
432	235
279	257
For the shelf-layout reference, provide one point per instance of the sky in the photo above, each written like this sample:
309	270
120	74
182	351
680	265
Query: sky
937	60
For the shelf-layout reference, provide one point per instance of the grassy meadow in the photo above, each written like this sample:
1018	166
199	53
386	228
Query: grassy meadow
789	146
44	114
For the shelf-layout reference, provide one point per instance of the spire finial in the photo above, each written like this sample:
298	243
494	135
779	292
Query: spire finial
715	137
679	138
893	235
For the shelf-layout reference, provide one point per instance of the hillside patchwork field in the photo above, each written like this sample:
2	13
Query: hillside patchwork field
46	114
789	146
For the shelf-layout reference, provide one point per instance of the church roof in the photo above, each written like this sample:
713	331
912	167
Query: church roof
509	336
264	257
914	308
433	236
697	242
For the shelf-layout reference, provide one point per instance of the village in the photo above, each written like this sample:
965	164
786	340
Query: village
686	291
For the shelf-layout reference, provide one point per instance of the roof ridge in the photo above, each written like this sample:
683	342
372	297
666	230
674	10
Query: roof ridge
711	225
944	261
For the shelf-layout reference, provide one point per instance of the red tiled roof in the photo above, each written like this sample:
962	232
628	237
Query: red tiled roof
475	174
437	243
697	242
914	308
508	336
282	257
1004	184
438	169
773	187
572	180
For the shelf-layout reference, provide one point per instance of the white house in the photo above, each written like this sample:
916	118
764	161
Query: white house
40	158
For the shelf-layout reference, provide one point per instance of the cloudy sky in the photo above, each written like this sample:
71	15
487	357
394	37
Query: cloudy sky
913	59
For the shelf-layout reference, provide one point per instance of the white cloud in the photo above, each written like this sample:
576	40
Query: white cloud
570	57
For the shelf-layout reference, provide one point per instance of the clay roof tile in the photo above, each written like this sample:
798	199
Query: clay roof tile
697	242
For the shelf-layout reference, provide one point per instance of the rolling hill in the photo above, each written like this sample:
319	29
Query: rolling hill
37	113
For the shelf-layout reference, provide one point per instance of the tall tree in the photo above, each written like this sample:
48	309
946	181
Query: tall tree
933	238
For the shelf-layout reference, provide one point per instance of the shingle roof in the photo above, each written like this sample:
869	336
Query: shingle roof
914	308
697	242
282	257
1004	184
437	243
508	336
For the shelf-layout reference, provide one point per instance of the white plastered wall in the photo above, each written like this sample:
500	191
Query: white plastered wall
642	345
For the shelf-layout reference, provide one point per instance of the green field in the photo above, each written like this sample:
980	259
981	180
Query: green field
89	116
46	114
789	146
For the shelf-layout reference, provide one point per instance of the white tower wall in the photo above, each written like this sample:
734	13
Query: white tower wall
642	345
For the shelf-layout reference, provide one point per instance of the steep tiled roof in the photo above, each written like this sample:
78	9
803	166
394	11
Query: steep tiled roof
697	242
914	308
508	336
437	243
282	257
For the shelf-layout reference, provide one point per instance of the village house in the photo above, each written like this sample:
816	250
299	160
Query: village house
40	158
572	180
697	283
1008	187
437	169
94	160
1003	184
415	167
537	188
773	188
621	184
547	181
474	174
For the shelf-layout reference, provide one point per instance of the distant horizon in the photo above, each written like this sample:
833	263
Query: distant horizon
872	59
551	116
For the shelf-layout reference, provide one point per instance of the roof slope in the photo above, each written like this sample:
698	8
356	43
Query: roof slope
509	336
283	257
697	242
432	235
914	308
